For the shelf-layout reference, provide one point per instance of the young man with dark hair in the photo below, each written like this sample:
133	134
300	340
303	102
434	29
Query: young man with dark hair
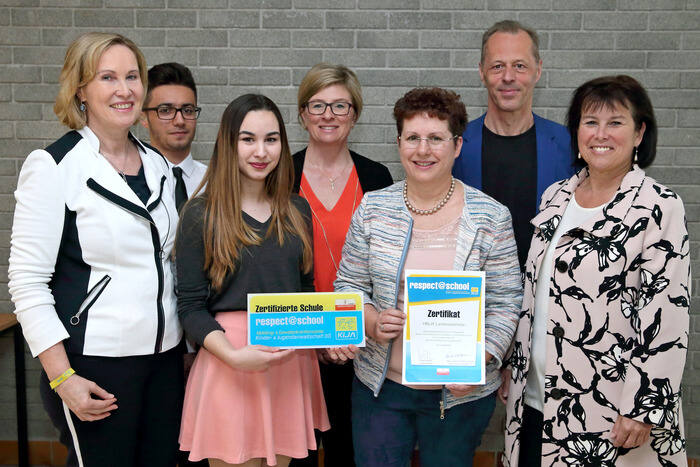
170	114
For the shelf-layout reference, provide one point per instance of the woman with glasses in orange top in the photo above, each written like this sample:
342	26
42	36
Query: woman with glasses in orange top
333	179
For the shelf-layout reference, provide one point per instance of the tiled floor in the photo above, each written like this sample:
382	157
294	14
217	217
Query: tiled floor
41	453
53	453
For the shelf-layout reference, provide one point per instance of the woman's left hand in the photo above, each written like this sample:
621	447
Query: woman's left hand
341	355
505	385
460	390
628	433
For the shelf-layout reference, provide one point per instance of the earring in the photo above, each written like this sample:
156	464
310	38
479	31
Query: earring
82	107
636	150
578	156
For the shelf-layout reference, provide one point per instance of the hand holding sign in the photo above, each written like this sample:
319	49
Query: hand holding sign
307	321
444	332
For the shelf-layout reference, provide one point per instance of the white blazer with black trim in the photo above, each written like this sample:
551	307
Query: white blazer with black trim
89	262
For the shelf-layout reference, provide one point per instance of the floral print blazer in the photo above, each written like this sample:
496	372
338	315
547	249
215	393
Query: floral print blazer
617	327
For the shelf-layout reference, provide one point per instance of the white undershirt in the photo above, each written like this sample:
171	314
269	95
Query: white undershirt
192	173
573	217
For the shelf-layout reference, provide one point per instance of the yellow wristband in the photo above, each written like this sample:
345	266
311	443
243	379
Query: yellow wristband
57	382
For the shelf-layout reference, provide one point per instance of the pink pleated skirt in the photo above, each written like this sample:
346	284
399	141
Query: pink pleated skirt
236	415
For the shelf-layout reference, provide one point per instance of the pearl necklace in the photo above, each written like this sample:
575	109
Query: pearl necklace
436	208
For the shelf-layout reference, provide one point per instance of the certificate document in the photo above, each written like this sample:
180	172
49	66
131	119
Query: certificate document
306	320
443	339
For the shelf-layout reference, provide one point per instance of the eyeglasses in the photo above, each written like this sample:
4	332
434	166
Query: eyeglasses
168	112
319	107
413	141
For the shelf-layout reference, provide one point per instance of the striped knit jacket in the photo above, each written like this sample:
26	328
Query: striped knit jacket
373	259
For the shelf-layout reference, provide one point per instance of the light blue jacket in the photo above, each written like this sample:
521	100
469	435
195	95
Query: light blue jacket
373	259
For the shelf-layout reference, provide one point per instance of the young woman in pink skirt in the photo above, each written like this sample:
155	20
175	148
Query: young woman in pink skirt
244	233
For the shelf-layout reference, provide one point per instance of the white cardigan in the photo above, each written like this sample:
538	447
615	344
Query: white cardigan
89	262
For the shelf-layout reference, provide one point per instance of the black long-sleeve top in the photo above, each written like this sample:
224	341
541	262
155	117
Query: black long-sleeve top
265	268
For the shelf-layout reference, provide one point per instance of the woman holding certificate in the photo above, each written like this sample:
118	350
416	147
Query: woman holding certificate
333	179
596	365
428	221
246	233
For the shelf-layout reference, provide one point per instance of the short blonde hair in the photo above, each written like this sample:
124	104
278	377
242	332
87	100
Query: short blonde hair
79	68
322	75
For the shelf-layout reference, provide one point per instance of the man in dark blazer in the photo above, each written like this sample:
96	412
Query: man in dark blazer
510	153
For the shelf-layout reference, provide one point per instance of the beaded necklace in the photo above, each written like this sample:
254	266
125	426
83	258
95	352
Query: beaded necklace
436	208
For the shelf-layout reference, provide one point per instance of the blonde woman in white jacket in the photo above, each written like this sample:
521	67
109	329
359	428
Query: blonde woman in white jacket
90	273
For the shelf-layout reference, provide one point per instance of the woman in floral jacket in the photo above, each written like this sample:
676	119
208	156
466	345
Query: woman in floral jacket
598	356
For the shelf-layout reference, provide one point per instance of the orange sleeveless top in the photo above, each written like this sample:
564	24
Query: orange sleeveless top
330	228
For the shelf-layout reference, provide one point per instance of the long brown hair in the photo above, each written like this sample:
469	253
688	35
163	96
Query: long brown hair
225	231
